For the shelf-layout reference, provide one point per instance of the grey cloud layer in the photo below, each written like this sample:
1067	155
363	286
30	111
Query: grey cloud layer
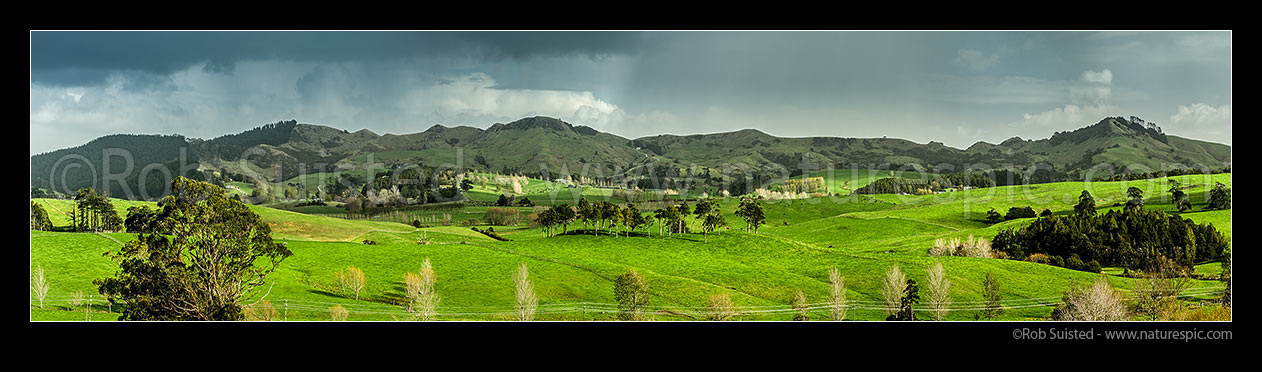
956	87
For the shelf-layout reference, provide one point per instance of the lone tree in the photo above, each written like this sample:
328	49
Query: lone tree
527	302
632	293
1219	197
218	253
800	307
836	295
1136	196
993	217
1086	204
39	285
1180	198
994	299
939	291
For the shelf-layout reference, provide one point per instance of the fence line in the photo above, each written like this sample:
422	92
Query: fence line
599	307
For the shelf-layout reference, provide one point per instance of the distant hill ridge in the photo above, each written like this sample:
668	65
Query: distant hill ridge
282	150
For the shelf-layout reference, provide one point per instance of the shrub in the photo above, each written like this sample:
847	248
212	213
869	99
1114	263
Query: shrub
370	242
471	222
720	308
338	313
263	310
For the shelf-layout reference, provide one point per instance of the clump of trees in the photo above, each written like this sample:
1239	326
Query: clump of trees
141	219
801	185
503	216
218	253
708	211
94	212
751	210
39	218
1097	301
972	247
351	279
1019	212
1135	239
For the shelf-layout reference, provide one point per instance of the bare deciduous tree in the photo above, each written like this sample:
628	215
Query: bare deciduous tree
720	308
355	280
527	302
39	285
412	288
939	287
1095	302
892	287
1157	295
800	306
338	313
837	295
76	299
427	297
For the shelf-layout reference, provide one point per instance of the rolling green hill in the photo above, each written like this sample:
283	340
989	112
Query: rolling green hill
861	235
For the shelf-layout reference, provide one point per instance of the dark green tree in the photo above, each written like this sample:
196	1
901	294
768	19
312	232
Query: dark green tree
1136	198
911	297
993	217
466	185
39	218
751	211
1086	204
1219	197
218	253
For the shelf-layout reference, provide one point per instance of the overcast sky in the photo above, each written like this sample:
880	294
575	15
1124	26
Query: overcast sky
953	87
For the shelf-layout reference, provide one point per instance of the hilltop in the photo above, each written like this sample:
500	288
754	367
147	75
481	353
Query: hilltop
284	150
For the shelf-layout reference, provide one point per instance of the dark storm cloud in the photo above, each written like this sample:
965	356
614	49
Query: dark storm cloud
78	58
